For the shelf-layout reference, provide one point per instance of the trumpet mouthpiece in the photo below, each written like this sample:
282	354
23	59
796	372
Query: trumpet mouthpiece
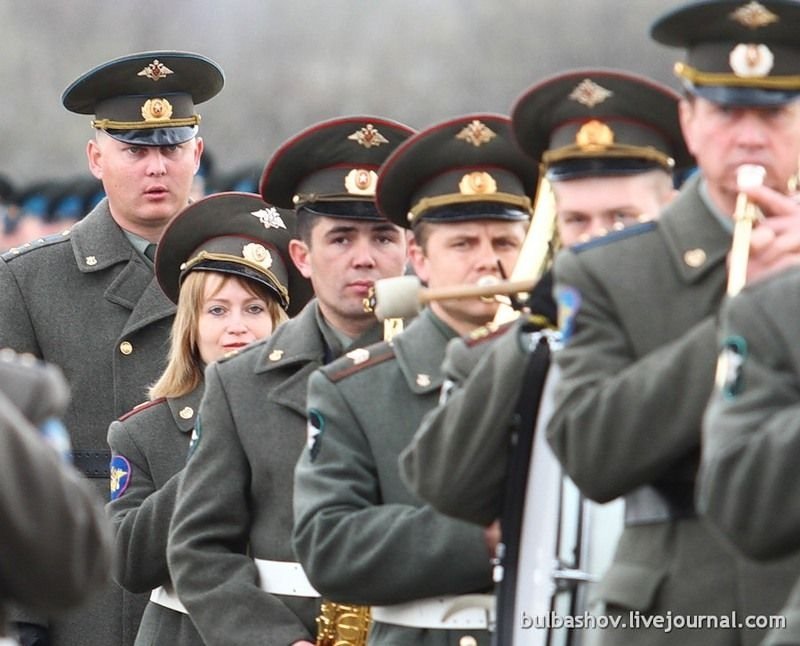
750	175
397	297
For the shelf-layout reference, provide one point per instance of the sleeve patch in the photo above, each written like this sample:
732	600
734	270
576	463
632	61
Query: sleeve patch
729	366
120	477
569	303
316	424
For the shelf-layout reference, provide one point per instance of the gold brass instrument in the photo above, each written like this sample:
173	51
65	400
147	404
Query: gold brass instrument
745	215
538	248
341	624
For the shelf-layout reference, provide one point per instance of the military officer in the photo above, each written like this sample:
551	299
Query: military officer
608	142
638	362
229	553
86	299
224	262
465	191
56	547
749	471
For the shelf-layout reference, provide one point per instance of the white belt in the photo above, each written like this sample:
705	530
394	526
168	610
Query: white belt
276	577
464	612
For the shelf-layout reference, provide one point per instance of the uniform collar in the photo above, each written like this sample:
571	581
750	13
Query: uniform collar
420	350
98	242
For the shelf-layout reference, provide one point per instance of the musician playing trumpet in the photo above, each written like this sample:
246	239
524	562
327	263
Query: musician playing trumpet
465	191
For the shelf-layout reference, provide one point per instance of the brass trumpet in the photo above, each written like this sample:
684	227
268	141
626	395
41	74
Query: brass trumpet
744	216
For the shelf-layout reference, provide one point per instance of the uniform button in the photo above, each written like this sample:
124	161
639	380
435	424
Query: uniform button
468	640
126	347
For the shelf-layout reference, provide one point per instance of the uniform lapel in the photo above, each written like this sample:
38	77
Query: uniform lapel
695	239
98	243
420	350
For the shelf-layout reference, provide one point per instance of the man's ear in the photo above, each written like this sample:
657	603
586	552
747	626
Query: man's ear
299	253
94	154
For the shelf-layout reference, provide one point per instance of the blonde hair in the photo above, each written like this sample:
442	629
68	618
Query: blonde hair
184	371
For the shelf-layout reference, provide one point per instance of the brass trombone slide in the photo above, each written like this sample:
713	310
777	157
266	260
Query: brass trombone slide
745	215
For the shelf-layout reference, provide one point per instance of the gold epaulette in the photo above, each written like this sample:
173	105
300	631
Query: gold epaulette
359	359
140	407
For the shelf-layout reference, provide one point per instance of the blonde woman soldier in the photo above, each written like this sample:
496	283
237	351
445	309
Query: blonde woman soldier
224	262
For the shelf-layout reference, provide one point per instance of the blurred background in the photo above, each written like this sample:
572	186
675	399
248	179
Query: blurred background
290	63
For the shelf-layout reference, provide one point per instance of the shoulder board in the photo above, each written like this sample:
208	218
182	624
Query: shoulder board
39	243
628	232
485	333
140	407
357	360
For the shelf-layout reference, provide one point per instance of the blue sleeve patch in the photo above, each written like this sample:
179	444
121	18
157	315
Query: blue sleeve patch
569	302
316	424
729	366
120	474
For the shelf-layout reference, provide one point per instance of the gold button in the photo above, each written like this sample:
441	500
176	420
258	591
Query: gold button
275	355
694	257
186	412
126	347
468	640
91	261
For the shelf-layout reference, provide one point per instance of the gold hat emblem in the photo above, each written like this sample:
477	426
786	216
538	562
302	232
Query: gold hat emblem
754	15
594	134
360	181
156	110
476	133
155	71
477	183
258	254
748	60
270	218
589	93
368	136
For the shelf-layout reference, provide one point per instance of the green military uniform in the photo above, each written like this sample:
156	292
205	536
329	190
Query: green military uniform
749	471
230	234
55	541
638	362
252	430
149	449
87	300
458	471
227	551
634	386
361	535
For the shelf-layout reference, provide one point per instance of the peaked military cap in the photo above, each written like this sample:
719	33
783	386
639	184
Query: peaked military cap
741	53
467	168
331	168
147	99
232	233
597	122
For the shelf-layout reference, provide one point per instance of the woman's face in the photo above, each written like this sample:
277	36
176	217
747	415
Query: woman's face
230	318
